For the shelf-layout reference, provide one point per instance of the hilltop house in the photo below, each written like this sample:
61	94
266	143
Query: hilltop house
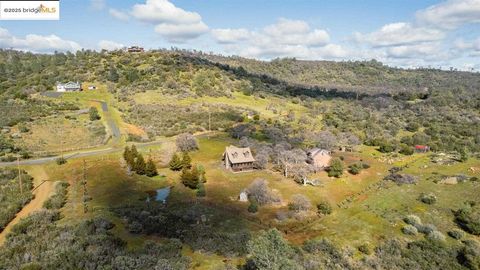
238	159
69	87
319	158
135	49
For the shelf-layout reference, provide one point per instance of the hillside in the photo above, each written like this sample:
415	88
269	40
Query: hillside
399	191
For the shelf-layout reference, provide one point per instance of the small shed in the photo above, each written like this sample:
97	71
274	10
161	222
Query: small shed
243	197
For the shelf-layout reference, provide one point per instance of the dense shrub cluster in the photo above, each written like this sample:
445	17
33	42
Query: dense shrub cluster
11	199
37	243
192	224
468	218
57	200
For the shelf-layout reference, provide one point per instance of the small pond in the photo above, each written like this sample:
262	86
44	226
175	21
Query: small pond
159	195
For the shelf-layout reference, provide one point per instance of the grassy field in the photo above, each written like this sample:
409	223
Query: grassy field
364	212
56	134
238	99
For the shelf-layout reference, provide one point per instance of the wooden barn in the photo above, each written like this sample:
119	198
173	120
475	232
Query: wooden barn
238	159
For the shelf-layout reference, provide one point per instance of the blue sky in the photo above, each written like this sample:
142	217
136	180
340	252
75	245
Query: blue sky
407	33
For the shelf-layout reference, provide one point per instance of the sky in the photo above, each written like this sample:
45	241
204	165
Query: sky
402	33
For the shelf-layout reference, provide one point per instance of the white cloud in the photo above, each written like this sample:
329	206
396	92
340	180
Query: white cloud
97	4
36	43
450	14
117	14
285	38
423	50
400	34
179	33
109	45
226	36
173	23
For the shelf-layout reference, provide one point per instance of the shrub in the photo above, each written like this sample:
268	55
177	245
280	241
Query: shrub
57	200
400	179
469	254
336	168
201	192
409	230
429	198
456	234
324	208
436	236
365	249
299	203
253	207
93	114
60	160
271	251
426	229
468	218
412	220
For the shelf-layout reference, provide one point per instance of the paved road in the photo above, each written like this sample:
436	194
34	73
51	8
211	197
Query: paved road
86	153
110	122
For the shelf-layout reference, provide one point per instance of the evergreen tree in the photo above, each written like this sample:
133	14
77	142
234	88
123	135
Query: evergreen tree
128	156
134	151
190	177
175	163
151	168
140	166
186	160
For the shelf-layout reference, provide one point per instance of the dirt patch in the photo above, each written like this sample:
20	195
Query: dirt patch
41	195
135	130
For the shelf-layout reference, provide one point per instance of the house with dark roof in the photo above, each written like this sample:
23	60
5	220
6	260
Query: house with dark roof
238	159
319	158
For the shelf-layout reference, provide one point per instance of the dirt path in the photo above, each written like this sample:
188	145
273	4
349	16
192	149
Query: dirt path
41	194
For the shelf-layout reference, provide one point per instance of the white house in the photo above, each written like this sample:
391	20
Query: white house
69	87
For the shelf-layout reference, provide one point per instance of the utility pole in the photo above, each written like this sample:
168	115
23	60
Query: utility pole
19	175
209	122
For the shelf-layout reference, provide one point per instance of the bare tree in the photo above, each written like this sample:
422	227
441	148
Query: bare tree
186	142
299	203
299	172
259	192
326	140
290	158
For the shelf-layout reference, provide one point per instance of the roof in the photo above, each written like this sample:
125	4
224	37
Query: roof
70	84
318	151
421	146
239	155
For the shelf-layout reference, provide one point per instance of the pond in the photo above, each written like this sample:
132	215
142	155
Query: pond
159	195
